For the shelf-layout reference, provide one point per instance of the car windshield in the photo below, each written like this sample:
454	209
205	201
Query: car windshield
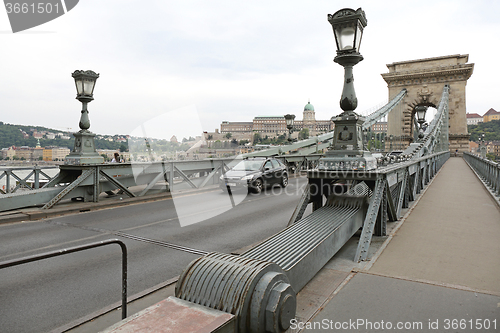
248	166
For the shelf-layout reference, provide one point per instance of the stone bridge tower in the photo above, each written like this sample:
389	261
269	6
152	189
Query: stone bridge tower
424	80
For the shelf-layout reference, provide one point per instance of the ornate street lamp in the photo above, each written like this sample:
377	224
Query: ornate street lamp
348	26
289	118
84	151
420	111
85	83
348	152
482	146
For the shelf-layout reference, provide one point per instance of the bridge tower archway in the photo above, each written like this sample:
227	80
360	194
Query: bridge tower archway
424	80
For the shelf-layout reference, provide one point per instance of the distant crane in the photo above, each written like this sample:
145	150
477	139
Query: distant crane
148	146
65	129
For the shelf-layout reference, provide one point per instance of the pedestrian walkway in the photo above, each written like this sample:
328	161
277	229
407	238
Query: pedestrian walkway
440	272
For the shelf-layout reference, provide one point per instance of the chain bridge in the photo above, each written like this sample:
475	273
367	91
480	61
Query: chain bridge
259	287
349	191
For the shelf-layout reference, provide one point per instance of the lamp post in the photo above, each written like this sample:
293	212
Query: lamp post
289	119
483	146
348	152
84	151
420	111
365	138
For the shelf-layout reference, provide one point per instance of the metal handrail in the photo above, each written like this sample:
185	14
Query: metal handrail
36	257
488	170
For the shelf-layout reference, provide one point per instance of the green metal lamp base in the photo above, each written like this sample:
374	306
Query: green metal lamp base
84	152
343	160
83	160
347	152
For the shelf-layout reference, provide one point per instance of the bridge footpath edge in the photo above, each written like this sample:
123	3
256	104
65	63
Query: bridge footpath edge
423	299
340	270
451	237
486	187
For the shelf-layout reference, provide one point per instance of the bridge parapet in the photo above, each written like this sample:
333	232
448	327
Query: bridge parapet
89	181
487	170
391	188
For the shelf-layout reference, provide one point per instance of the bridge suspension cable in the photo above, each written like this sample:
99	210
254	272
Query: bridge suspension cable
383	111
436	135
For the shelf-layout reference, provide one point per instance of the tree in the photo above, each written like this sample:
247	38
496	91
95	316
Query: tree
256	138
491	156
304	134
217	144
234	143
490	129
123	148
229	135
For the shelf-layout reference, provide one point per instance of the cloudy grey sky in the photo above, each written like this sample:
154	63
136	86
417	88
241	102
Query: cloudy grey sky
166	64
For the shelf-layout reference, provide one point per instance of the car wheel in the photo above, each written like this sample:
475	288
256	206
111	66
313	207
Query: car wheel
284	180
257	185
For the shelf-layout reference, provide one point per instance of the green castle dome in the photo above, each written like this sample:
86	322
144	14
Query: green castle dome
309	107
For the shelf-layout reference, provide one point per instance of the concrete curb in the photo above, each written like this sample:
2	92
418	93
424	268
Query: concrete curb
67	208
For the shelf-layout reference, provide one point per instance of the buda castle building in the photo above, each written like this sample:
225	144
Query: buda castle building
273	126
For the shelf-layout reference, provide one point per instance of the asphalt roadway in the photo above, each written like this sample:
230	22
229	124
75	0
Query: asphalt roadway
53	293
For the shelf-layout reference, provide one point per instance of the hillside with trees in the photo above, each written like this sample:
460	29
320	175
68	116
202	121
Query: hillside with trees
21	135
491	131
15	135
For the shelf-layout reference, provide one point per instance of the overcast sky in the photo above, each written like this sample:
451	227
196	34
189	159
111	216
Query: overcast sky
166	64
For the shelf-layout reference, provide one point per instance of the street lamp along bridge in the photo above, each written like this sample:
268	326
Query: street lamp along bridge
84	151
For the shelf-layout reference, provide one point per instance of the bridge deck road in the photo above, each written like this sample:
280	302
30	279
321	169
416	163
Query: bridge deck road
440	269
48	294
